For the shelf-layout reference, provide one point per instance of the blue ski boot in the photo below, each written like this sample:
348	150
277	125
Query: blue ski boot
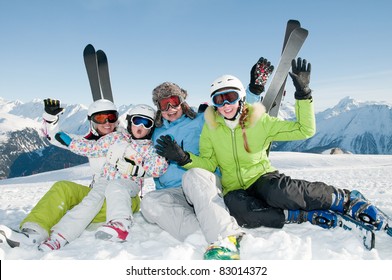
368	213
323	218
354	204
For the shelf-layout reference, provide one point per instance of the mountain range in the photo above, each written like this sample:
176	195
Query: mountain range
352	126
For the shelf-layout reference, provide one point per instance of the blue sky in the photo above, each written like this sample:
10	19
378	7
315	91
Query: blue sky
190	43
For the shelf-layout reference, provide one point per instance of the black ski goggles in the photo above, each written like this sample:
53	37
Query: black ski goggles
230	97
140	120
102	118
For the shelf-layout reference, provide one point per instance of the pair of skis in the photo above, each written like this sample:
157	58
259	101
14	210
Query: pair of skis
295	37
97	68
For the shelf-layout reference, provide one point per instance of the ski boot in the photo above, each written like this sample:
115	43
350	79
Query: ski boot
323	218
354	205
225	249
116	230
25	237
382	220
55	242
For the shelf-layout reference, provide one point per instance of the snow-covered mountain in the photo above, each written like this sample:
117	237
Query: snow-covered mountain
356	127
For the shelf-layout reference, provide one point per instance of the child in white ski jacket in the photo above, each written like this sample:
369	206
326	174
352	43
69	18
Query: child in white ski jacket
130	155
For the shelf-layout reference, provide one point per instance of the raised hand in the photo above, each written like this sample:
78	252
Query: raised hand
259	75
52	107
301	78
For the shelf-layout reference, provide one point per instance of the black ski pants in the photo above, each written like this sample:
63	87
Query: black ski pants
262	204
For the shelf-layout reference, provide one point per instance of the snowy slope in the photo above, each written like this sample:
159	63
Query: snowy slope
370	174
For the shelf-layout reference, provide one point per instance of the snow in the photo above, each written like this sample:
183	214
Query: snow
10	122
371	174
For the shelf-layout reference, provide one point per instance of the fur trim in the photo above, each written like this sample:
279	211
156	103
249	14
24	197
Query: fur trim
210	117
158	119
258	110
187	110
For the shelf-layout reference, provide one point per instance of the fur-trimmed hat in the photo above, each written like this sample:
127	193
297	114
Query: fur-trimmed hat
168	89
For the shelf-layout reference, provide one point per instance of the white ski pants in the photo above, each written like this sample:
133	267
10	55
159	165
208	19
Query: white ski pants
118	195
197	205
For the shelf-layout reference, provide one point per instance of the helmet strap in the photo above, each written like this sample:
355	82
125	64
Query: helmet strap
239	111
93	129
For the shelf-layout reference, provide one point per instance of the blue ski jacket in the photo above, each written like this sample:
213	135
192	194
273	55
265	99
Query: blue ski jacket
187	133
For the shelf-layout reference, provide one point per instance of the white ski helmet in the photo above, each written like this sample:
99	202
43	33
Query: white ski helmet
100	106
142	110
227	81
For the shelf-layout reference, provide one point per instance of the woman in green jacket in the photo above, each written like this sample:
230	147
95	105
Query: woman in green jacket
235	139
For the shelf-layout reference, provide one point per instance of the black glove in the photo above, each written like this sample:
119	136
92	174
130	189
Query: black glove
168	148
202	107
259	75
301	78
52	107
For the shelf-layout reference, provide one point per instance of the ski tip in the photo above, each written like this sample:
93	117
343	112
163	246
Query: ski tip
89	49
293	21
300	32
101	53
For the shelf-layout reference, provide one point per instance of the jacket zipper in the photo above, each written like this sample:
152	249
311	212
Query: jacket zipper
237	164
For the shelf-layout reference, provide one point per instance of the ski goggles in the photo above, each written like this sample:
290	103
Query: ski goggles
102	118
140	120
230	97
173	101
